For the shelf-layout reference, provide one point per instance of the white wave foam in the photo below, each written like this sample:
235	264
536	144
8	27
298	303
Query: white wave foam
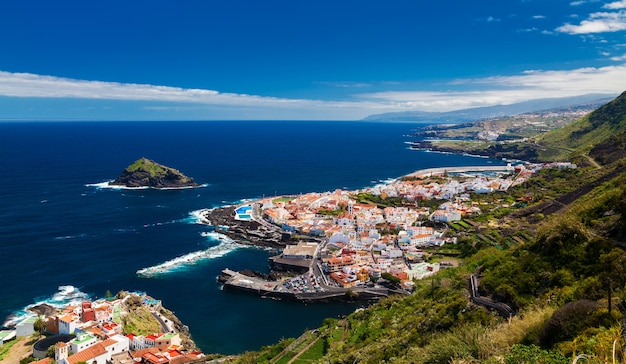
67	295
161	223
107	184
226	246
68	237
184	188
198	217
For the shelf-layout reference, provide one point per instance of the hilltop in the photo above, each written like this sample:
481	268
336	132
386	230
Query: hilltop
148	173
555	254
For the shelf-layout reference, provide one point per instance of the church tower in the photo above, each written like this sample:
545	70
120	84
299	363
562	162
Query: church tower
60	352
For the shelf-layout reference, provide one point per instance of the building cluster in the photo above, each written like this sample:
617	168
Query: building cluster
92	332
365	241
441	189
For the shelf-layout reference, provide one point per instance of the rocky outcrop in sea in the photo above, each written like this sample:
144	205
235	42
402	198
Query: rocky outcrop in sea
148	173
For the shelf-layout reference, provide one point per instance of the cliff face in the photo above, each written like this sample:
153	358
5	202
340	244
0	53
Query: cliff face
147	173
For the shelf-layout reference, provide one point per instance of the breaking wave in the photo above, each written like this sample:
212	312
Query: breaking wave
225	246
66	295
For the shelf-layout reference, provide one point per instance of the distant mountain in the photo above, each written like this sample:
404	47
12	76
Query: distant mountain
492	111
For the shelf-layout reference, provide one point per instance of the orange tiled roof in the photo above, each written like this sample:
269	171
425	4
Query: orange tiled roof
89	353
108	342
43	361
66	318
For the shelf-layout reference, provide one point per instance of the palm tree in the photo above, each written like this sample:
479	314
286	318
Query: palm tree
39	325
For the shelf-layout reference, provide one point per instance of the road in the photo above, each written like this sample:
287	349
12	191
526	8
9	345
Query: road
166	327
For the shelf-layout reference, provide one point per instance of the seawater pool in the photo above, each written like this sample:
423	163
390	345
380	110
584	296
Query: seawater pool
243	210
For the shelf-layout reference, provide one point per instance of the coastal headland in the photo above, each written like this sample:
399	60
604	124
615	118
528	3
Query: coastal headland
251	232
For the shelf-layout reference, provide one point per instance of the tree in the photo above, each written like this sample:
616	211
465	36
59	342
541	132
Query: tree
352	295
613	266
50	352
391	278
39	325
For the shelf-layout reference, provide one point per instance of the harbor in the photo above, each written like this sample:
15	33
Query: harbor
280	289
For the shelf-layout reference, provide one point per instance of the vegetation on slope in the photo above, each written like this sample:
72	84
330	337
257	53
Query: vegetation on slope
606	124
556	254
600	135
566	282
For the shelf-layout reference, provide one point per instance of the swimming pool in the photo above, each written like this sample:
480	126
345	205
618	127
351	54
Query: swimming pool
243	210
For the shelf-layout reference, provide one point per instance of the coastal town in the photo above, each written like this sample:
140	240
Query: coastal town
348	246
97	332
333	246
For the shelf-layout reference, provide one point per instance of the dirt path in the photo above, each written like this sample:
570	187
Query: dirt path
23	347
303	351
592	161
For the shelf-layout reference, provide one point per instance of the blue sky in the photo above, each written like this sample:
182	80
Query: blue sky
218	59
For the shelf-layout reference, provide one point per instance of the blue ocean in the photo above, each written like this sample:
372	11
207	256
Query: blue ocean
63	237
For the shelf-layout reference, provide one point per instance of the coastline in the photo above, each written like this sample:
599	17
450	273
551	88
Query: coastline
316	273
125	224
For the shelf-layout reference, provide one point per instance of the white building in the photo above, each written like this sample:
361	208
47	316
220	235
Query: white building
82	342
117	344
446	215
95	354
136	342
67	324
26	327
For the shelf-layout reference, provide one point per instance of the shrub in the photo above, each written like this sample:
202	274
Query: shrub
568	321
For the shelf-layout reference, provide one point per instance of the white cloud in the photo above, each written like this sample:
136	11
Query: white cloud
463	93
577	3
601	22
503	90
40	86
539	17
619	58
616	5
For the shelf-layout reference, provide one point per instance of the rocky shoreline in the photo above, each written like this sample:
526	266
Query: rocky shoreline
245	232
148	173
526	152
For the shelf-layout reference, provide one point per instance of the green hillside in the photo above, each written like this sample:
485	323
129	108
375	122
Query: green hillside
605	127
558	260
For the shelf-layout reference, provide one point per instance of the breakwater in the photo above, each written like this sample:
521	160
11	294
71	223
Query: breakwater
440	171
276	290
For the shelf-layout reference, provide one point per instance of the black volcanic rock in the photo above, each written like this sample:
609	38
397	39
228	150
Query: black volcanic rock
147	173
